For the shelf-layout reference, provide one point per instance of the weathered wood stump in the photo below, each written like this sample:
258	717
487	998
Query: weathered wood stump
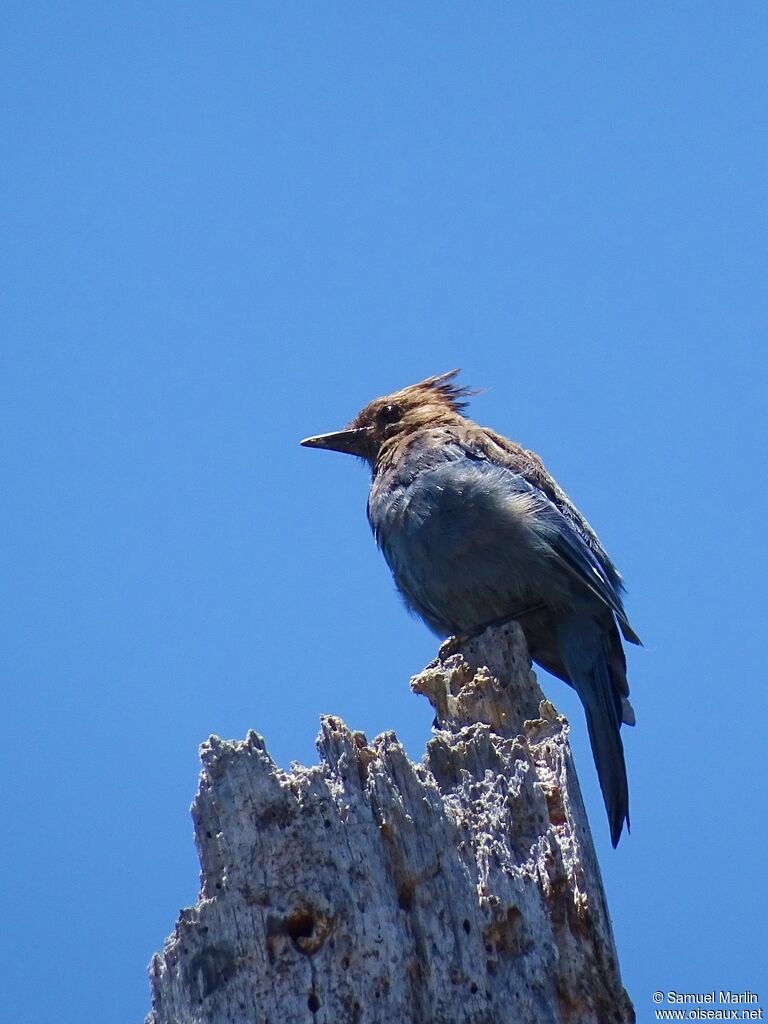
370	889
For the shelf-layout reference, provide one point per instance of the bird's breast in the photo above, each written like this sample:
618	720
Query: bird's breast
463	542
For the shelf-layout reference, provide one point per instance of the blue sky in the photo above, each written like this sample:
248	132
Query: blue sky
227	227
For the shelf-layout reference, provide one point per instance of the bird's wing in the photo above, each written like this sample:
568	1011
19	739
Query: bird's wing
569	535
529	465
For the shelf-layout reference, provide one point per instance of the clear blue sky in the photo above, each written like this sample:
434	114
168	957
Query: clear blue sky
225	227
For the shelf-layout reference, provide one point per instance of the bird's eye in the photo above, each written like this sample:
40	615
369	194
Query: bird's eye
390	414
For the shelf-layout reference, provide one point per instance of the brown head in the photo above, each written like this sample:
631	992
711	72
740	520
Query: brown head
433	402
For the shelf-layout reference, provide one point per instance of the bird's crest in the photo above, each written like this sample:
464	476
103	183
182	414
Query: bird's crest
444	387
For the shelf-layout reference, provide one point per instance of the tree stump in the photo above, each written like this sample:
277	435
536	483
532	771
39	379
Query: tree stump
462	890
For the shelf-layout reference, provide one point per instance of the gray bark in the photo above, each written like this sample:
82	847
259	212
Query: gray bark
464	889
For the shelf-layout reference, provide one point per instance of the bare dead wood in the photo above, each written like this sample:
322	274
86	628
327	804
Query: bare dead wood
462	890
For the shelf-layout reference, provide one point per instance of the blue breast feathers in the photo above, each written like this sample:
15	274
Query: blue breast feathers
467	539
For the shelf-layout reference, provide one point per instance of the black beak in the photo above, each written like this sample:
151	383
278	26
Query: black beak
351	442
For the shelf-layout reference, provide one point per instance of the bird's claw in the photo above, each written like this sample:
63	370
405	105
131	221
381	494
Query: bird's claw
452	645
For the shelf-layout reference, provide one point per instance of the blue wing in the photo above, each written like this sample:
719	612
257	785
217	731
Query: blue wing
561	534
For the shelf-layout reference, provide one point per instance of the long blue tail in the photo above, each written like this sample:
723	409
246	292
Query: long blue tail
584	646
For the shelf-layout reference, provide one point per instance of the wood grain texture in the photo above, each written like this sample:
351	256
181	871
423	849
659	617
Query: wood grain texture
463	890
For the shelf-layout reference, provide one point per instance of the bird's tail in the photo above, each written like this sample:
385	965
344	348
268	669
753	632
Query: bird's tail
584	647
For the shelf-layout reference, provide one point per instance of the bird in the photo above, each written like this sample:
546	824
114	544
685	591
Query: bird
475	532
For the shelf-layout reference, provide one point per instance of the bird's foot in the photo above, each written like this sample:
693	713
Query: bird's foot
452	645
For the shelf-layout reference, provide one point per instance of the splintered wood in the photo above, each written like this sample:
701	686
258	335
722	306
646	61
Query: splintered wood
462	890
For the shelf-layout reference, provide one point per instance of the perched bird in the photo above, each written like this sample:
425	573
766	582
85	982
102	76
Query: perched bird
476	531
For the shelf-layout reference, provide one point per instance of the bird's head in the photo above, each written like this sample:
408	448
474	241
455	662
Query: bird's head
433	402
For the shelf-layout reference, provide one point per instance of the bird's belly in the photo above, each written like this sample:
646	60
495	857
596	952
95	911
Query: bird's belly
461	554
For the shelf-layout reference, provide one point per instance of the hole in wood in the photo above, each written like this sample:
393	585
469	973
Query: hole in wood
308	928
300	924
405	896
